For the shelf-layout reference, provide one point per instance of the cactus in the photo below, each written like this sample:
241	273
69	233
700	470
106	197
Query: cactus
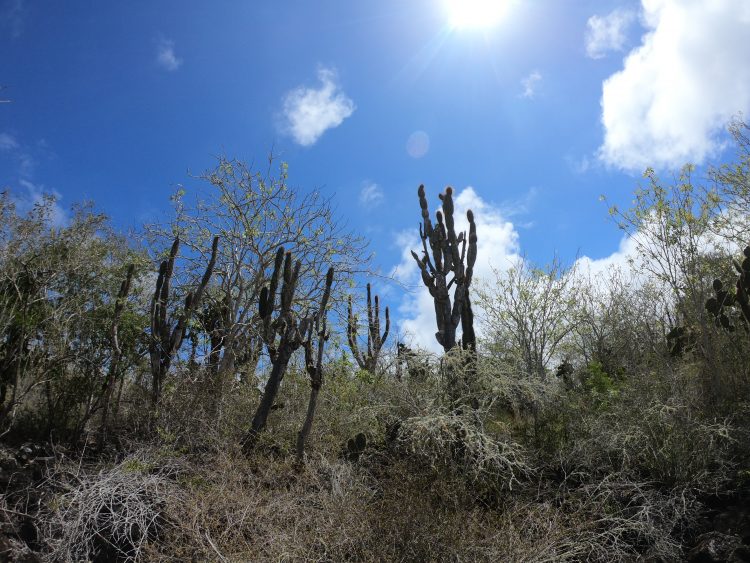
369	360
214	319
109	384
449	256
292	331
314	364
417	365
726	299
165	339
355	447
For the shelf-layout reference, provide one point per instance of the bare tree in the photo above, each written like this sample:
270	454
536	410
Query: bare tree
254	213
529	312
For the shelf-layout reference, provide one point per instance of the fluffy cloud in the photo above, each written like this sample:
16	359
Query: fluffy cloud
310	112
166	57
679	88
530	84
371	194
622	259
7	142
497	247
12	16
33	194
607	33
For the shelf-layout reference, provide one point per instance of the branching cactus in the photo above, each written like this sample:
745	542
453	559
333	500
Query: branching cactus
282	334
114	364
314	364
368	360
452	254
167	335
726	299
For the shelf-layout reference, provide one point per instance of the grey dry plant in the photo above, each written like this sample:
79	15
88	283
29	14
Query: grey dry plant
114	513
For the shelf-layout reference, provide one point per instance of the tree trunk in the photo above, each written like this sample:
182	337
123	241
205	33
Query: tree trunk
269	395
307	426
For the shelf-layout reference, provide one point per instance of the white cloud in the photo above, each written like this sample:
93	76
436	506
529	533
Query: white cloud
7	142
371	194
579	165
12	16
607	33
635	256
530	84
497	246
680	87
310	112
33	194
166	57
623	259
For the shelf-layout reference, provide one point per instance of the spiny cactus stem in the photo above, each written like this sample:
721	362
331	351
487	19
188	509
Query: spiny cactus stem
314	364
166	341
368	361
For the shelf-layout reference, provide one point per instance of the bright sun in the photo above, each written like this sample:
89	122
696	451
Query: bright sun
475	14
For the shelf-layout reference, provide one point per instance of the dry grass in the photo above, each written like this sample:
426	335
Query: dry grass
464	478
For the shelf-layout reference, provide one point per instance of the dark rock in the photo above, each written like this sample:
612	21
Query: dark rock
715	547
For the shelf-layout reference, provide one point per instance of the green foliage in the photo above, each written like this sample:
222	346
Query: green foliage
56	297
599	383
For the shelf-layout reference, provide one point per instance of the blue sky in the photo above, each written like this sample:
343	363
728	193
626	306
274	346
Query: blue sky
539	114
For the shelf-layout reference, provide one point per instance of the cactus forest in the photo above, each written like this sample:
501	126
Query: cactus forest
383	281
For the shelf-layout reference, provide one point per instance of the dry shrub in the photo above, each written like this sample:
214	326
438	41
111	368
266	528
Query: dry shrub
457	443
264	509
194	417
112	514
668	443
607	521
422	516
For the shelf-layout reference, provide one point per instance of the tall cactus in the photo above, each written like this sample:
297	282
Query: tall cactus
114	335
368	360
292	331
726	298
451	254
165	338
314	364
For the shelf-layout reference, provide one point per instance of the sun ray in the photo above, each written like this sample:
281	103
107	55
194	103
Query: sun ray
475	14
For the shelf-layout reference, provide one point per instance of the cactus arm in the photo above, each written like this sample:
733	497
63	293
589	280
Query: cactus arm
425	253
472	256
116	355
351	333
427	279
375	327
192	302
425	211
387	327
314	366
164	293
369	323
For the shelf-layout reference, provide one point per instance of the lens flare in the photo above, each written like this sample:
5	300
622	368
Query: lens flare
475	14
